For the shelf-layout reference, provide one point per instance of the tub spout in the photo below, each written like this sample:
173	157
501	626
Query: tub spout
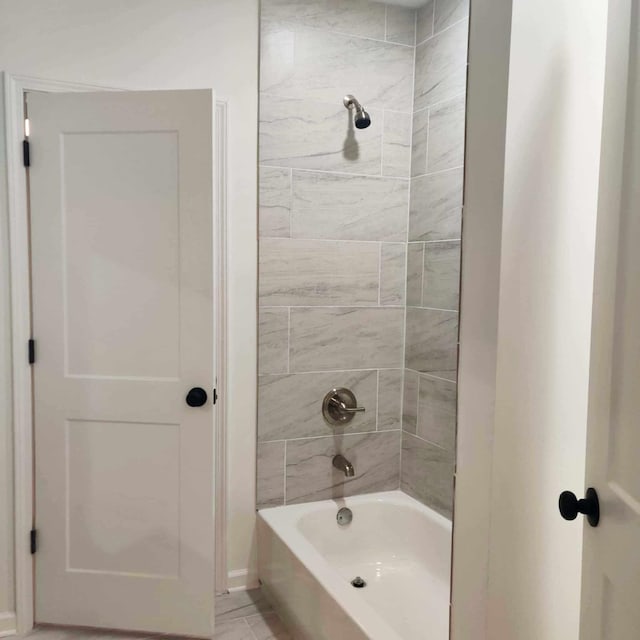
342	464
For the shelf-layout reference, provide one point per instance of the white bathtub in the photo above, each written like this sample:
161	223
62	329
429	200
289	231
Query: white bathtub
401	548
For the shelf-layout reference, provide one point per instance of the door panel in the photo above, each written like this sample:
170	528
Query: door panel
123	254
121	215
611	555
120	521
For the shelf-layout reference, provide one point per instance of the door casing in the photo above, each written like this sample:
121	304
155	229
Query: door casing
23	446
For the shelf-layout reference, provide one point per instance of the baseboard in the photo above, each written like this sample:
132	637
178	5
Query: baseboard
241	579
7	624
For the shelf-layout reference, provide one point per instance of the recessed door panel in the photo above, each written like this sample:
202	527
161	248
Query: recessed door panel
123	498
121	231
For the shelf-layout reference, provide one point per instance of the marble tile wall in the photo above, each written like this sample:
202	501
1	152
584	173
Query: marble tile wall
360	245
433	254
334	222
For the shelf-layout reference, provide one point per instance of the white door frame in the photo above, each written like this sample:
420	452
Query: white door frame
15	86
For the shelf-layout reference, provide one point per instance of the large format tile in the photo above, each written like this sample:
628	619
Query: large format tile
432	341
270	476
346	338
396	150
393	259
424	23
340	207
441	282
448	12
268	627
274	204
427	473
419	142
311	475
317	135
441	66
401	25
437	412
415	270
273	340
410	401
435	209
446	135
318	272
290	406
390	399
240	604
325	66
233	630
354	17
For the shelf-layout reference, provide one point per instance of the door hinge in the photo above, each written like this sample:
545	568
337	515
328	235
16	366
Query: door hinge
32	351
26	153
33	536
215	396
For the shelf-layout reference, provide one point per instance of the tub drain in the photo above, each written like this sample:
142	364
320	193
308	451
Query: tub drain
358	582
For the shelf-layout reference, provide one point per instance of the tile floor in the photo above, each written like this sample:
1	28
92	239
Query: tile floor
244	615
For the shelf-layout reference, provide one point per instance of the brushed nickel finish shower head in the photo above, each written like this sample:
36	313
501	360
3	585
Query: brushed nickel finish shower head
360	117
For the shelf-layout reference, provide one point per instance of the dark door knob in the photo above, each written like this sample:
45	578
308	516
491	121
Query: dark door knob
196	397
570	506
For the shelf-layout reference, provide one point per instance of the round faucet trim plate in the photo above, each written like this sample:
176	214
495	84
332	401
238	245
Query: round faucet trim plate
344	517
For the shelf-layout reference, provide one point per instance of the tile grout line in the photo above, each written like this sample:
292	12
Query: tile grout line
318	371
386	22
290	202
403	377
439	172
431	376
418	405
434	33
422	273
335	240
249	628
438	104
369	306
284	475
288	339
345	434
433	444
382	145
380	274
292	26
433	20
378	400
347	174
426	157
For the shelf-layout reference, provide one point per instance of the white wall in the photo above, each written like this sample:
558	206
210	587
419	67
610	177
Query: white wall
554	123
540	232
172	44
6	446
487	89
552	145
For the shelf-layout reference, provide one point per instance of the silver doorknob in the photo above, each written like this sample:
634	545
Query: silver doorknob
339	406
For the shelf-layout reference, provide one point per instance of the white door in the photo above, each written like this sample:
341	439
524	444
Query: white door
121	227
611	560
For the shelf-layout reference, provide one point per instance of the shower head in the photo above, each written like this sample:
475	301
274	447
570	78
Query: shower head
360	117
